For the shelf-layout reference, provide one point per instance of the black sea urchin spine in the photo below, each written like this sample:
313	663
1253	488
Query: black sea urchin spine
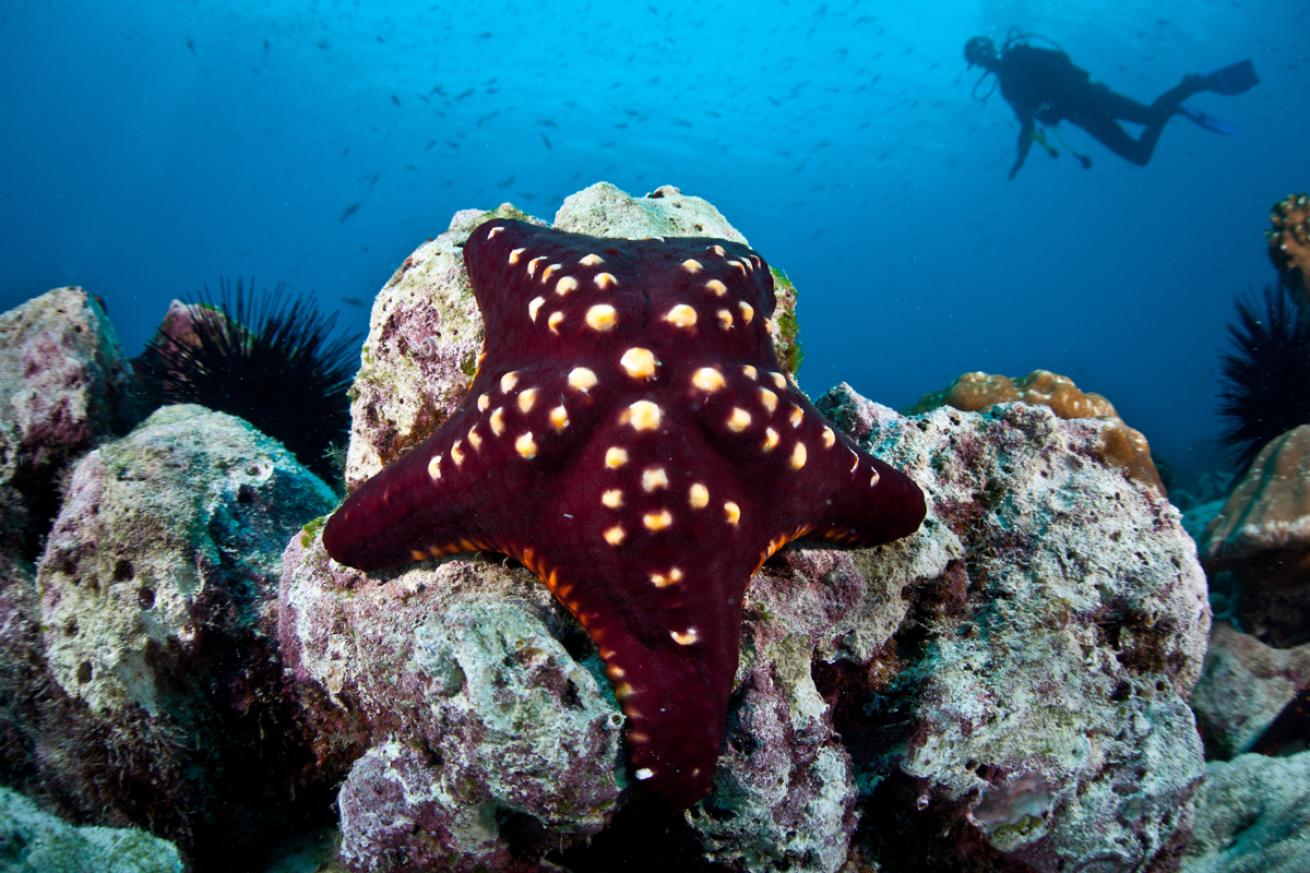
1266	374
269	357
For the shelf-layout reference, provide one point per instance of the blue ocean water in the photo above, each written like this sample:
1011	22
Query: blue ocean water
149	148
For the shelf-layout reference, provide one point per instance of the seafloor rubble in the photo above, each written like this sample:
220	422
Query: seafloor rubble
1010	688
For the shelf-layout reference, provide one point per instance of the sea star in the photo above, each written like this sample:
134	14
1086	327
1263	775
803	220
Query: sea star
631	439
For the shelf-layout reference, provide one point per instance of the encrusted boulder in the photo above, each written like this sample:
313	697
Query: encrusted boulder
1039	720
63	388
1005	689
476	705
1243	688
33	841
1261	538
156	599
1252	814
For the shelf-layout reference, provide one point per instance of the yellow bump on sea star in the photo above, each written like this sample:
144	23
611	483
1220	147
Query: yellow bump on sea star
657	520
707	379
526	446
685	638
639	363
663	580
681	315
582	379
654	477
642	415
739	420
731	512
602	317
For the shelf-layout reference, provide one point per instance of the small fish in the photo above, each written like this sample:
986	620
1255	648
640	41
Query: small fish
349	211
505	183
395	99
465	94
353	301
267	46
546	140
191	45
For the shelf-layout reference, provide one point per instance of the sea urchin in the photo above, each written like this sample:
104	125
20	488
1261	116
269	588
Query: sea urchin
1266	374
268	357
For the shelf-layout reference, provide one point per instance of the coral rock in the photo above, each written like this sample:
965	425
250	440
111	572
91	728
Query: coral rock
1262	537
1289	242
32	841
462	660
63	386
1005	689
1253	813
1120	445
1244	685
1039	721
157	590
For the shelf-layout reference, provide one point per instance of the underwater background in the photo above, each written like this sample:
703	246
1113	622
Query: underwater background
150	148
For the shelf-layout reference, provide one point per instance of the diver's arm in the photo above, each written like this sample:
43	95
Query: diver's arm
1026	130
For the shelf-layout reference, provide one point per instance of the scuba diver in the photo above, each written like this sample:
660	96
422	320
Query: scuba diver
1044	87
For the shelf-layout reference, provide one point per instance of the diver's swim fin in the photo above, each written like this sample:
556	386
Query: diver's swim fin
1233	79
1208	121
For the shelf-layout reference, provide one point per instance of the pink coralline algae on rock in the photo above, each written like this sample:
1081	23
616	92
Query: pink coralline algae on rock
63	388
1005	689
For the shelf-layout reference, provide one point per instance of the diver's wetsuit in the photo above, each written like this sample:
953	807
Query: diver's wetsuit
1043	85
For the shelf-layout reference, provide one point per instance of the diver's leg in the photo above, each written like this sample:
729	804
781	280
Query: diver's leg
1111	105
1116	105
1109	134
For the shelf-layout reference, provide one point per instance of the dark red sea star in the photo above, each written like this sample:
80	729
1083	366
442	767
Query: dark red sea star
632	440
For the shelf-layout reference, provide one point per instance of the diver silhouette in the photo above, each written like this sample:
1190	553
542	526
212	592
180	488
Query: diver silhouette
1044	88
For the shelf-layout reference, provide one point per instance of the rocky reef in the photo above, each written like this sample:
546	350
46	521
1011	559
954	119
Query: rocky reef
1009	688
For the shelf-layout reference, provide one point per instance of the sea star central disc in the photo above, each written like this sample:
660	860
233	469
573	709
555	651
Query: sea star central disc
632	440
